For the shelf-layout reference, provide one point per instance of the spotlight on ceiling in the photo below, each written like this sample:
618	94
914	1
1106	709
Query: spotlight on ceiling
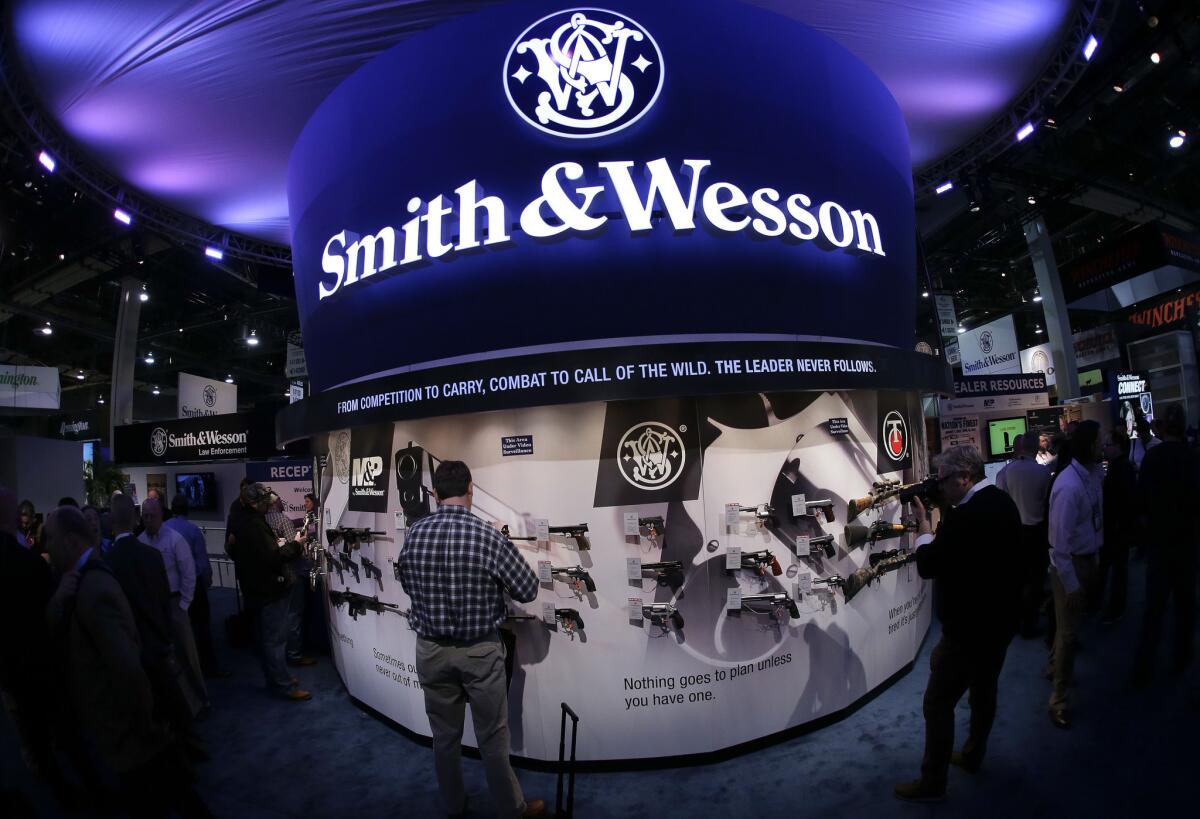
122	216
1120	89
1177	139
143	296
79	376
1037	295
46	329
945	186
47	161
924	294
1031	199
1024	131
1038	330
154	391
961	329
149	359
252	339
214	253
1089	48
99	400
229	379
1155	57
974	206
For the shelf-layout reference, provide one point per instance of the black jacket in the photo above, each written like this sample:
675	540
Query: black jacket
261	564
143	577
1120	503
26	584
1169	489
973	559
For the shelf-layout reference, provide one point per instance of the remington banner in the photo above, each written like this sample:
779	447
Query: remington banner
650	453
370	468
29	387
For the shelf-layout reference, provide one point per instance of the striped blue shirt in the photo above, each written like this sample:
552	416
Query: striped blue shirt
456	568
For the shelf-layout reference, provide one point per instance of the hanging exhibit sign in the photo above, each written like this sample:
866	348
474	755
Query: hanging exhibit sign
289	478
1038	360
990	348
200	397
624	165
1133	400
29	387
1173	311
1145	248
1095	346
991	393
960	430
295	366
947	320
79	426
209	438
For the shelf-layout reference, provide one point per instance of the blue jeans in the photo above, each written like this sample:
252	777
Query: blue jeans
271	631
295	636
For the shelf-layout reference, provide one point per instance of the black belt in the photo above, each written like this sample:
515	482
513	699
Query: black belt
454	642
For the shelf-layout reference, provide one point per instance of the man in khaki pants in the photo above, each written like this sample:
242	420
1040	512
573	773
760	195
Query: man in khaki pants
454	567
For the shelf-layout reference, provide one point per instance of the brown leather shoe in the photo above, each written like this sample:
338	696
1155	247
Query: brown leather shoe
535	807
297	695
302	661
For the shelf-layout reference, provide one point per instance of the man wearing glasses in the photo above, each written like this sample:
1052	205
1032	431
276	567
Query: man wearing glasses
978	604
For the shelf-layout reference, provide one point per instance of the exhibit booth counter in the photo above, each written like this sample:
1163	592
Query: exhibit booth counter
678	361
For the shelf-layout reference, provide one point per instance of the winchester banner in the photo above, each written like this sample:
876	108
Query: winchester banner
29	387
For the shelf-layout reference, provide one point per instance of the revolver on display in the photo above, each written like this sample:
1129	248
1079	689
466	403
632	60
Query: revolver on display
778	602
577	577
663	615
371	569
578	531
822	544
764	513
570	619
668	572
654	526
759	561
825	507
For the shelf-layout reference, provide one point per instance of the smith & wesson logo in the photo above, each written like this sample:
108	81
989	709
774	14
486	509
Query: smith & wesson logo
583	73
650	455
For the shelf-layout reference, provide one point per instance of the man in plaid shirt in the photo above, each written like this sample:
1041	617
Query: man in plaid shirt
456	568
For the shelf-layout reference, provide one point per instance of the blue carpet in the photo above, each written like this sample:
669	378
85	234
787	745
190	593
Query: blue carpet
1128	754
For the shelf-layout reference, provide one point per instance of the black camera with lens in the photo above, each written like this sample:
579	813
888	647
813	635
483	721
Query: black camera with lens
928	490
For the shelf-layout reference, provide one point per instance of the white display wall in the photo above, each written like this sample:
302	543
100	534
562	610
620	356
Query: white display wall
640	692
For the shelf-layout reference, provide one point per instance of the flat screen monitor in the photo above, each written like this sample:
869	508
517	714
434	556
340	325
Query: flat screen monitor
1002	435
200	488
991	470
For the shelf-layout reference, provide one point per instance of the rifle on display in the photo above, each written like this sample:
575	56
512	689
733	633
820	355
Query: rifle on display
779	602
667	573
371	569
351	537
759	561
351	567
332	562
883	491
880	565
504	531
857	534
578	577
663	615
360	604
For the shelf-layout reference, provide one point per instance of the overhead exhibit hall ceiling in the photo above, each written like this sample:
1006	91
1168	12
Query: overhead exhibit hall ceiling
198	103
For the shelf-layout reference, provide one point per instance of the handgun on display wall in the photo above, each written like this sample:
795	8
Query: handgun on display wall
578	532
824	544
764	513
577	577
332	563
351	567
759	561
663	615
667	573
654	526
825	507
778	602
570	619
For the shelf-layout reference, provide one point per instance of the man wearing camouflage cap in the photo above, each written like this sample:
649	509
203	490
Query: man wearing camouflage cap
265	574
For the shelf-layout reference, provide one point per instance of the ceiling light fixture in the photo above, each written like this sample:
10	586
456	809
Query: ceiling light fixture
1155	57
99	400
1177	139
945	186
1089	47
47	161
46	329
149	358
1038	330
229	379
1120	89
143	296
122	216
1032	199
924	294
1024	131
252	339
79	376
214	253
1037	296
961	329
155	390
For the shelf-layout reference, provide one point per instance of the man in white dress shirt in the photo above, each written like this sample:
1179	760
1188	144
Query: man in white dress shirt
181	576
1076	535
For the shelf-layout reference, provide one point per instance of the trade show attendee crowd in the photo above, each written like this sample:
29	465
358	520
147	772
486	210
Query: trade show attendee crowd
1070	509
106	651
105	641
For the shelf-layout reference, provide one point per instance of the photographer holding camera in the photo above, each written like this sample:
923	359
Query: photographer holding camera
978	603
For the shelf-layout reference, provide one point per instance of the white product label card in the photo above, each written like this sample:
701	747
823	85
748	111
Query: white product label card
804	581
544	572
542	530
798	507
733	599
548	614
633	568
399	521
635	607
731	516
733	558
631	524
802	544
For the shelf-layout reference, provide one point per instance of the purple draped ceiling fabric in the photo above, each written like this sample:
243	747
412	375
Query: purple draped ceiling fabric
198	103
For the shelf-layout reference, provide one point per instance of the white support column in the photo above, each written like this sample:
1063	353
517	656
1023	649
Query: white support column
124	355
1054	306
